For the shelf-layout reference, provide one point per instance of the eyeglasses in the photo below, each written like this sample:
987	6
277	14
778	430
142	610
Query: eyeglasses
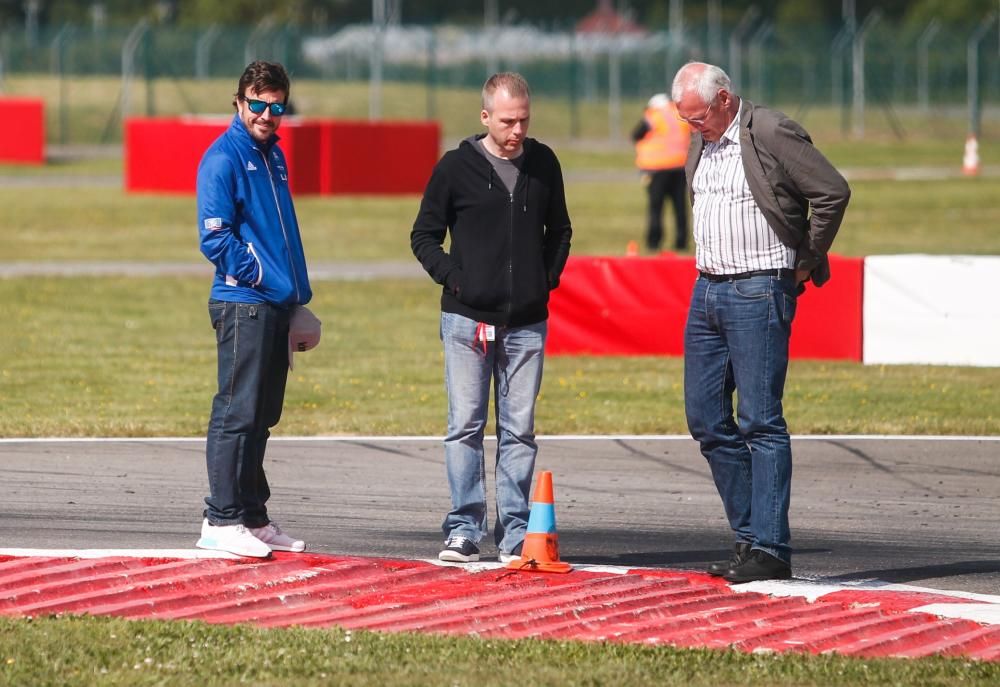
258	106
698	121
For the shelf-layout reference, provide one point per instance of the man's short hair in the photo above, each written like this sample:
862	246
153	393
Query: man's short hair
513	83
263	76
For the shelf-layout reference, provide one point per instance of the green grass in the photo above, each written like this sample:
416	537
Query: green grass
67	224
135	357
107	652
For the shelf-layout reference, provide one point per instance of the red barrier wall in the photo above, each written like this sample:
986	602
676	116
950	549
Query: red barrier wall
27	143
638	306
162	153
324	156
380	157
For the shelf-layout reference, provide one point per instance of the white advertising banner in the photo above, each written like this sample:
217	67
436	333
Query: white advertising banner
932	309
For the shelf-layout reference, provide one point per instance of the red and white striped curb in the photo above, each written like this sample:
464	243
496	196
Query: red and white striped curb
596	603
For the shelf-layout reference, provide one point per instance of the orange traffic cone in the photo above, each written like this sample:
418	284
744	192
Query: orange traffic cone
970	161
632	249
540	551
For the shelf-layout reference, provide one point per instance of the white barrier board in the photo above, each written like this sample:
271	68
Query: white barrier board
929	309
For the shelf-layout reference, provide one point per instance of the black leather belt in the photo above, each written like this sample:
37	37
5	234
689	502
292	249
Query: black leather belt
746	275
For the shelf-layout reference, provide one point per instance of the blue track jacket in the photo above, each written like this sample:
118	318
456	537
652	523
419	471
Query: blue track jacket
247	222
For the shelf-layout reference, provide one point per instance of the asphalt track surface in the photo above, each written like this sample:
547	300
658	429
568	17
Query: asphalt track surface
905	510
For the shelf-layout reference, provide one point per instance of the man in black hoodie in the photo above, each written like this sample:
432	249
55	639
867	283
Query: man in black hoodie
501	198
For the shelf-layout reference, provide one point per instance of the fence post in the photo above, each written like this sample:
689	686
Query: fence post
431	73
376	59
250	52
858	70
614	88
760	37
714	19
491	23
574	96
840	41
128	63
923	63
57	52
675	44
203	51
972	71
735	47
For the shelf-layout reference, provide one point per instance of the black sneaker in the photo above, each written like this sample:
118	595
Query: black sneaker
459	550
741	551
759	566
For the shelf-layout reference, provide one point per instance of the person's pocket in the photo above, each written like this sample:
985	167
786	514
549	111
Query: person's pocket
217	315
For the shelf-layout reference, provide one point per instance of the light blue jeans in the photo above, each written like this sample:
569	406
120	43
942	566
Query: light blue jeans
736	339
513	362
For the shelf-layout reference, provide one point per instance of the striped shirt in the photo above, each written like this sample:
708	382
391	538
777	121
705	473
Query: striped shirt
731	234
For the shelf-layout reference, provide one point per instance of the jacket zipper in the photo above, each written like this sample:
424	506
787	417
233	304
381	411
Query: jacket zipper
510	253
281	221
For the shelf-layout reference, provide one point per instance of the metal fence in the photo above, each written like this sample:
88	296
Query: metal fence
874	64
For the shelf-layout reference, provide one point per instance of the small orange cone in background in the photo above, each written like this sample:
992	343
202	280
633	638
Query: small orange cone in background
970	161
540	551
632	249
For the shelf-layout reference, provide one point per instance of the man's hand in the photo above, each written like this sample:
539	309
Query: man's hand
801	276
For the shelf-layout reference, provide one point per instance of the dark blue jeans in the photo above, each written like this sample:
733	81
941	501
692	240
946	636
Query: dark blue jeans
252	341
736	339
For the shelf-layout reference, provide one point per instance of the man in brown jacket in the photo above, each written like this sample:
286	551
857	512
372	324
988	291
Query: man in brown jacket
767	206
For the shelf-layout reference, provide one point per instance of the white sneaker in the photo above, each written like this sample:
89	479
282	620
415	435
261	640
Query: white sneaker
512	556
274	537
232	538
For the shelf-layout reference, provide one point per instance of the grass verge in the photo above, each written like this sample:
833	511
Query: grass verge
135	357
108	651
68	224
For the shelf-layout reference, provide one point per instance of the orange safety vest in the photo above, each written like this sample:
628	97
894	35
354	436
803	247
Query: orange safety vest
665	145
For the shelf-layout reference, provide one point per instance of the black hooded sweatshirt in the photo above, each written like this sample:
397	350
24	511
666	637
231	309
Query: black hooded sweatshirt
507	250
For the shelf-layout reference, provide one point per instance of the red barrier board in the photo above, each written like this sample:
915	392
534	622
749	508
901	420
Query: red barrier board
380	157
27	144
323	156
638	306
828	321
162	153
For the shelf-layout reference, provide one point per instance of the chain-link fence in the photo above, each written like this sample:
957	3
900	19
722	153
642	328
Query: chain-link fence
158	69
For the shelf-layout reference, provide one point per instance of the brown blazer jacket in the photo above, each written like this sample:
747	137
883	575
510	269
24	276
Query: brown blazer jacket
801	195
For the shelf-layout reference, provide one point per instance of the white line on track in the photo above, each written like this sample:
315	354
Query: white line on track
549	437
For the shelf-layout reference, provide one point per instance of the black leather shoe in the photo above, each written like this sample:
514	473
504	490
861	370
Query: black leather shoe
759	566
740	552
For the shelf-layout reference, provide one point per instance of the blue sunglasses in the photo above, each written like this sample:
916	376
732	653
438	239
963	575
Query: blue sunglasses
258	107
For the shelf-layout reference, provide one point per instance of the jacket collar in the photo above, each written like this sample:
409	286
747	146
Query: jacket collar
240	133
471	140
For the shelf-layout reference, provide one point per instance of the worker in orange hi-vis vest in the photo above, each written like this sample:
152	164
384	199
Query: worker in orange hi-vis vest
661	145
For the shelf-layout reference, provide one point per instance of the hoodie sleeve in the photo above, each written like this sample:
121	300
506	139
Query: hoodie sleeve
558	230
431	227
216	217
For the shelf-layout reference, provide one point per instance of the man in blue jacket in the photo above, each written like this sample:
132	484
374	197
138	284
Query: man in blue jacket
250	233
501	197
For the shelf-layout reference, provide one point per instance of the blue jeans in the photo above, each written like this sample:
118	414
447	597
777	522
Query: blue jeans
252	341
736	339
514	363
